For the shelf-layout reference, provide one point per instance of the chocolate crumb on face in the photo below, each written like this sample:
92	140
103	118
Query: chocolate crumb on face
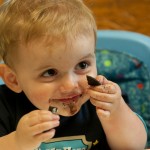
53	109
92	81
73	108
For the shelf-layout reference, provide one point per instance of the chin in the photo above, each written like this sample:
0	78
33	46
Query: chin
70	109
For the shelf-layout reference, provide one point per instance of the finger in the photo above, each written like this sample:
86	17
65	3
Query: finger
103	114
35	112
40	113
40	117
45	136
102	79
101	105
107	88
102	96
42	127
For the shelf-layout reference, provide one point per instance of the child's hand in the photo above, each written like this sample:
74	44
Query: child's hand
34	128
105	97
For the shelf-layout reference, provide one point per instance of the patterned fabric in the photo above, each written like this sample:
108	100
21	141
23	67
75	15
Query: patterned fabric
133	77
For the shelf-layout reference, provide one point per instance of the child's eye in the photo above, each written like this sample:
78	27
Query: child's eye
82	65
50	73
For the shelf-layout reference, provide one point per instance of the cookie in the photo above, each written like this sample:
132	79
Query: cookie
53	109
92	81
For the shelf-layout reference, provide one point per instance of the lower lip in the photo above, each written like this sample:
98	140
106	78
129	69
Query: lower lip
74	99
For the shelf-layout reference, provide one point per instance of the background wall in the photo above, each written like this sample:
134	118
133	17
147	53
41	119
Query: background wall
1	1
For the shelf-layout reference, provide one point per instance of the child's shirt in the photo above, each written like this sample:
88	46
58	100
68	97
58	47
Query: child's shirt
79	132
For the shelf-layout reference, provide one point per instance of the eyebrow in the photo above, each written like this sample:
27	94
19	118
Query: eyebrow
88	56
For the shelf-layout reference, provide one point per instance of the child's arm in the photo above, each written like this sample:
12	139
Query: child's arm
123	129
33	128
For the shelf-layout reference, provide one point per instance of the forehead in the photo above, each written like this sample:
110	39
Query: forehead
57	47
45	53
61	42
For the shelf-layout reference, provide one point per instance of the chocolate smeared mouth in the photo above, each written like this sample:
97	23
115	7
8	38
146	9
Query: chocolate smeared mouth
73	99
67	105
73	108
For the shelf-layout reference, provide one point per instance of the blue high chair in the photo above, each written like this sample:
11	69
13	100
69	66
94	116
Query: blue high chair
133	43
124	57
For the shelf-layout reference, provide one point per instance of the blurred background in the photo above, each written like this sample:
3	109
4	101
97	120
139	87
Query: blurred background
131	15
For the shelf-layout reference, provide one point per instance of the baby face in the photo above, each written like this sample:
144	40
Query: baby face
54	74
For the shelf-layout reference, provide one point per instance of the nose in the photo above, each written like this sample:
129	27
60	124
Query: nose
69	83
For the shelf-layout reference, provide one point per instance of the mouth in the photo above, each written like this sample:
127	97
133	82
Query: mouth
69	100
67	105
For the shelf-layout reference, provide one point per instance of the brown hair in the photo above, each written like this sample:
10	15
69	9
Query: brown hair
24	20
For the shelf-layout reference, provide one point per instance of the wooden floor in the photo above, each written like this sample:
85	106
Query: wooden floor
131	15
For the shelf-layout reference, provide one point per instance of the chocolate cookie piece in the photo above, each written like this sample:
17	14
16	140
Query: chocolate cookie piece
92	81
53	109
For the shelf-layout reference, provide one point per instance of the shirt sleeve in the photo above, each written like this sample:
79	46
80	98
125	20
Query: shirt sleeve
7	111
4	119
143	122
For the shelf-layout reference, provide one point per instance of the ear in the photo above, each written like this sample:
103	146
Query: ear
9	78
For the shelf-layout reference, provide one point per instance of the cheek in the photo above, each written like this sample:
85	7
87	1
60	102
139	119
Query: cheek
83	83
95	70
83	80
37	94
